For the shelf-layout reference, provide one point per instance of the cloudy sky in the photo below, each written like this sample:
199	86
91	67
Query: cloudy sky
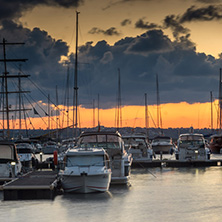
177	39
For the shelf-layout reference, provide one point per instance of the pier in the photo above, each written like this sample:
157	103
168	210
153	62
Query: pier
34	185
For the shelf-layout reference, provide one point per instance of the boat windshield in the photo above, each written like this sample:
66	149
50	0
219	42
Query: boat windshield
103	141
192	140
85	161
24	150
7	152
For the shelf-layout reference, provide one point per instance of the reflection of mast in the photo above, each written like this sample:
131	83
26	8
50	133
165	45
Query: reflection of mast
119	111
146	117
5	77
159	120
75	99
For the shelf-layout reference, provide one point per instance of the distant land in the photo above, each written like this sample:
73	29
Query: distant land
69	133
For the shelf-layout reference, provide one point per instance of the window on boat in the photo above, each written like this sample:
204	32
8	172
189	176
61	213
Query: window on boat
24	150
6	152
85	161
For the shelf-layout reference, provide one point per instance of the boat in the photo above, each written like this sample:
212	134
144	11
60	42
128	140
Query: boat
192	146
162	144
112	142
86	170
215	144
26	156
138	146
10	165
50	147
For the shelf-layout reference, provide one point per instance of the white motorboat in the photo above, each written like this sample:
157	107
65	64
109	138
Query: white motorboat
10	165
112	142
138	146
86	170
26	156
162	144
192	146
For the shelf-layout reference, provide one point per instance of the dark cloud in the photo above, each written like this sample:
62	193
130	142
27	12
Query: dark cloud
171	21
151	42
202	14
14	8
111	31
43	54
209	1
145	25
126	22
184	74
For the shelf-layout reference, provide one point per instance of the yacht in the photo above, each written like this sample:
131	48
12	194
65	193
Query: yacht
192	146
86	170
26	156
10	165
138	146
162	144
112	142
216	143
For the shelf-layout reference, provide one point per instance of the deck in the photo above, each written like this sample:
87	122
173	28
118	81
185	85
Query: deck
34	185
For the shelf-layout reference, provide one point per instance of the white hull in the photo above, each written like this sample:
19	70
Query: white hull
162	148
86	183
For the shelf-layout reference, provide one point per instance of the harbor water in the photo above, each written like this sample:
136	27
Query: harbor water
154	194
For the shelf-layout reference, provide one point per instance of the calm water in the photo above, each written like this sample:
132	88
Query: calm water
179	194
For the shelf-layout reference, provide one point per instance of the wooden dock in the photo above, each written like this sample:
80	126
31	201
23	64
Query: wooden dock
33	185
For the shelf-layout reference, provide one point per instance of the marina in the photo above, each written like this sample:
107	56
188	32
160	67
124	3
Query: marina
65	156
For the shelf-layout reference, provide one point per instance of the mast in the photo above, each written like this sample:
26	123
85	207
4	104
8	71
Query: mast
158	101
93	113
5	77
49	113
119	111
146	117
211	110
98	114
75	81
220	104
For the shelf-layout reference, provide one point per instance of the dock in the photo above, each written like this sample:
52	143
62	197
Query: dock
40	184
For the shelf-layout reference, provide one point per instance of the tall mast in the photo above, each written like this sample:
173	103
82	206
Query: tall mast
75	81
146	117
158	101
19	88
93	113
5	77
220	103
211	110
98	113
119	111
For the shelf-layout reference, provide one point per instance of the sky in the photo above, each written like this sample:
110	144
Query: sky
178	40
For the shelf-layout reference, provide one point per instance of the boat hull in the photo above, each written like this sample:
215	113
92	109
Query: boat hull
164	149
86	183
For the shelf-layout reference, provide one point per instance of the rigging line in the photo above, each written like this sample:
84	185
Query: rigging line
38	114
57	107
152	119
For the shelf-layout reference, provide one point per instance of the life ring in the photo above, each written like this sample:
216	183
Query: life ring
55	157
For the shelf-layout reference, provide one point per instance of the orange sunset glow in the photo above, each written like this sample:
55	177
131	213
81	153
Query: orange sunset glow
174	115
